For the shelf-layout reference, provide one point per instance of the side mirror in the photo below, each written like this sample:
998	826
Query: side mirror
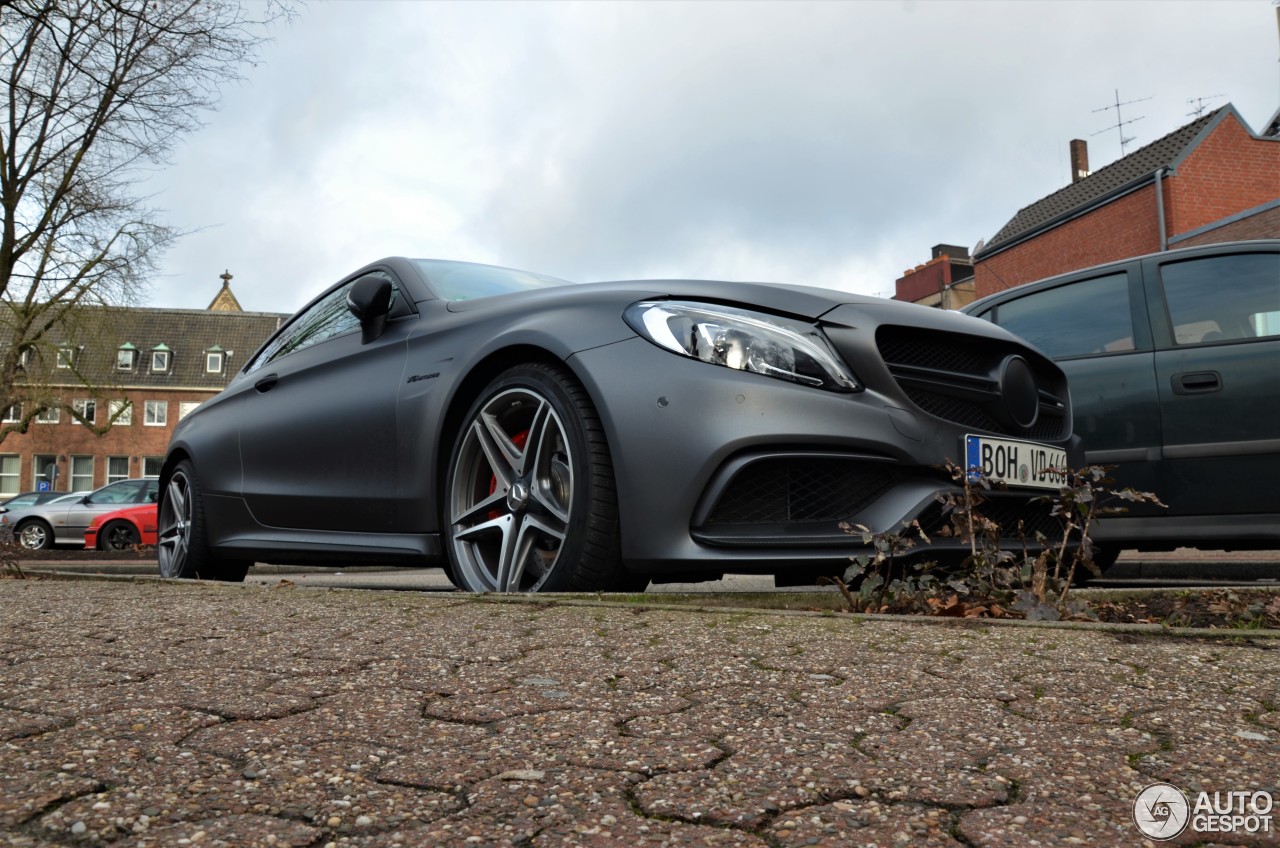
369	299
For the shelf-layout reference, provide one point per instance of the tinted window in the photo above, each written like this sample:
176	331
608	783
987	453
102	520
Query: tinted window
1088	317
326	318
1223	298
124	492
454	281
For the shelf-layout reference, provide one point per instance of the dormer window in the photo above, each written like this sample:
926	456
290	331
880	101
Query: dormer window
66	357
214	360
160	359
126	357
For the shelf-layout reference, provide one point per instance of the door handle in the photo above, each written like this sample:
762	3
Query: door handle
1197	383
267	383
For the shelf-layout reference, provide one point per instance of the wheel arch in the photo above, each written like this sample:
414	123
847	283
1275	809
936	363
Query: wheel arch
469	388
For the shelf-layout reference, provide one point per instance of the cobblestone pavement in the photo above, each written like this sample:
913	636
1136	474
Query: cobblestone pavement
154	713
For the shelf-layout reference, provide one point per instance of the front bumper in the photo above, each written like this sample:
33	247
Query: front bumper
718	469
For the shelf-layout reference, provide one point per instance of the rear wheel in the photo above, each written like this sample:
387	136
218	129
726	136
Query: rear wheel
35	535
118	536
530	503
183	549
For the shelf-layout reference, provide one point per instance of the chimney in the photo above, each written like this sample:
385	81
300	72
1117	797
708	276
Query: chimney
1079	160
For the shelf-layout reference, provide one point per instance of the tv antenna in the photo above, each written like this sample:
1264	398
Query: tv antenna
1198	104
1120	123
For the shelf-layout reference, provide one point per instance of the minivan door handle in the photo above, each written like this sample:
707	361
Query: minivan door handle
1197	383
267	383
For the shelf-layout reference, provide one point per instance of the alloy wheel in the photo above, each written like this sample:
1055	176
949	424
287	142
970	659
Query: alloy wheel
174	538
510	506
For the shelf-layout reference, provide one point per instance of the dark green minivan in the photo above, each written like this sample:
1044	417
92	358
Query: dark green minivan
1173	360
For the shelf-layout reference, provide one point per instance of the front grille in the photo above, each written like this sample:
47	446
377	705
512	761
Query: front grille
957	378
791	490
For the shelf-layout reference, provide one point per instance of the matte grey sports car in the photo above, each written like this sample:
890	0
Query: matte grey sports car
530	434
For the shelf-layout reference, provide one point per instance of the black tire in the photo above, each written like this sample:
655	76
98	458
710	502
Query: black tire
35	535
118	536
529	504
183	548
1105	556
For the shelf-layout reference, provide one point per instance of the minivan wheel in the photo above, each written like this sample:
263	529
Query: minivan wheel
183	549
529	503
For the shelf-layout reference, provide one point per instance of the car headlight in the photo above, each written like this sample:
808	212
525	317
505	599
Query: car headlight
743	340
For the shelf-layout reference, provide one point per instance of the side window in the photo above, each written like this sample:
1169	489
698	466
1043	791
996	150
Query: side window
126	492
327	318
1223	298
1076	319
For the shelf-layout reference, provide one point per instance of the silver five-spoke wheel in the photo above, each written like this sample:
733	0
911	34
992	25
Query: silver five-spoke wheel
174	527
183	547
529	502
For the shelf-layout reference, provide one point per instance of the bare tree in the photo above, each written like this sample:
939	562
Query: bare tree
97	92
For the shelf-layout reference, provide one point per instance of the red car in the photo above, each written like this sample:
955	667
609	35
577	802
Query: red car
122	529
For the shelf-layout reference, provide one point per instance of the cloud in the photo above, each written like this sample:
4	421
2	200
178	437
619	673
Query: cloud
828	143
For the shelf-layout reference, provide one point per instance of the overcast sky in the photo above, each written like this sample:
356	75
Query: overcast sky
829	143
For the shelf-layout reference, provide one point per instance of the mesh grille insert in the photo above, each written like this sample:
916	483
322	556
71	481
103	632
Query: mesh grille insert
801	490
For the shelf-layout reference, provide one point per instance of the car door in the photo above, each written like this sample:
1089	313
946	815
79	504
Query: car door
1096	328
318	420
74	518
1217	325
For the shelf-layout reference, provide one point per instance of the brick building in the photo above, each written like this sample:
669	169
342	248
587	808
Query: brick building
1212	180
945	281
146	367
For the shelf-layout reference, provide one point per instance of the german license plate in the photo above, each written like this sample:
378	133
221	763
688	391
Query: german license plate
1014	463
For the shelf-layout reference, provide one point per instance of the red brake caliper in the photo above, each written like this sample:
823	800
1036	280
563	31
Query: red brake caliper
518	440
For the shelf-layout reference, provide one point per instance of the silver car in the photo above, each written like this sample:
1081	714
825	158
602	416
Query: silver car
64	521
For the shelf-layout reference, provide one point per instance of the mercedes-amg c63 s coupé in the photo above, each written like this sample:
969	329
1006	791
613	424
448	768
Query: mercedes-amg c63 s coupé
529	434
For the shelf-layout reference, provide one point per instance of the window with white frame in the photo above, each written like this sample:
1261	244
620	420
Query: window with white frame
81	473
66	357
121	411
49	415
213	361
160	360
186	407
126	357
155	413
12	414
117	468
24	358
87	409
10	474
44	469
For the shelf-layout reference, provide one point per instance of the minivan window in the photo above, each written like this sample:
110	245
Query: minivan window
1076	319
1223	298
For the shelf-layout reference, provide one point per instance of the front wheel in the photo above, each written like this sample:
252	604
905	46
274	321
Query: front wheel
183	549
118	536
35	535
530	504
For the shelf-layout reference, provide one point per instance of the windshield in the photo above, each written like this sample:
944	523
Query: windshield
454	281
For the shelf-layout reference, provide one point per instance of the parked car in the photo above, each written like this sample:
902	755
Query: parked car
122	529
531	434
64	523
1174	364
26	499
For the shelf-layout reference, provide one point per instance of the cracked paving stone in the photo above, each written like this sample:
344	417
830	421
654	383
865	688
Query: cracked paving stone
226	832
864	822
25	795
1211	750
1033	824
